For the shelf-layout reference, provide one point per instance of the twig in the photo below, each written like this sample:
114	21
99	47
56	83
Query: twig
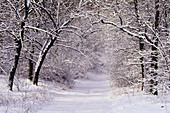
145	38
45	31
13	7
3	70
48	13
77	51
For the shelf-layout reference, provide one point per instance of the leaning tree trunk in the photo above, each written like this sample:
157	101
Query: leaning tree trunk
13	70
41	58
154	53
18	42
141	43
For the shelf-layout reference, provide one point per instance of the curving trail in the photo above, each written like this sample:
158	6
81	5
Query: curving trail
89	95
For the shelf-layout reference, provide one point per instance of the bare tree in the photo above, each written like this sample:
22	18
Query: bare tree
50	41
18	41
147	30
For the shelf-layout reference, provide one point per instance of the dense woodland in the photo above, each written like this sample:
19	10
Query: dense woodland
61	40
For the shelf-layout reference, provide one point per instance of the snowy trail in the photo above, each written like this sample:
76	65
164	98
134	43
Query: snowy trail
93	95
88	96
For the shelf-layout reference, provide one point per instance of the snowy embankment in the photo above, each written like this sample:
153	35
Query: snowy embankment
91	95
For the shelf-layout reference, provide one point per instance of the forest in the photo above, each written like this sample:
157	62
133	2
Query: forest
60	42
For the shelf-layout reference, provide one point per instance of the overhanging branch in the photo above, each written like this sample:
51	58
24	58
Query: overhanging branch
42	30
48	13
77	51
145	37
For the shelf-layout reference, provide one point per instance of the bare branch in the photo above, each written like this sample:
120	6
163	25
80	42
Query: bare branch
77	51
13	7
66	23
3	70
123	29
145	37
48	13
42	30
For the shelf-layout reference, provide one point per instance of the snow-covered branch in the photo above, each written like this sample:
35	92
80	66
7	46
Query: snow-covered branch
13	7
145	37
42	30
3	70
123	29
77	51
48	13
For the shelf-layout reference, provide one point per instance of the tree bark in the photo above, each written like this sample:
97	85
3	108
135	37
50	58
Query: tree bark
13	70
41	59
141	43
18	42
167	35
141	46
154	53
31	64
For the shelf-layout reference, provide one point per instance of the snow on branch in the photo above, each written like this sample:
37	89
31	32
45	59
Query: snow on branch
123	29
42	30
13	7
145	37
3	70
28	3
48	13
77	51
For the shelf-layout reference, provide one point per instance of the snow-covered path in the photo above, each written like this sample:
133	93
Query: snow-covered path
88	96
93	95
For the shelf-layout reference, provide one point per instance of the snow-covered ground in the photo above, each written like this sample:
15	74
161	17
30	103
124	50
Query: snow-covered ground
90	95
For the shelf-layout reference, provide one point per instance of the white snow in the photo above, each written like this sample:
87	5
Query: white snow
89	95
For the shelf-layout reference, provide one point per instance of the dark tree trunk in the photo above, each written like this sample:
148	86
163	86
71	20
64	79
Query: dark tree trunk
141	43
167	36
16	60
19	47
154	68
154	54
31	64
141	46
41	59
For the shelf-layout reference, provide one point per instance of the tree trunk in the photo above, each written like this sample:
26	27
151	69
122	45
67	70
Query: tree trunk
19	46
141	44
31	64
167	36
13	70
154	54
41	59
